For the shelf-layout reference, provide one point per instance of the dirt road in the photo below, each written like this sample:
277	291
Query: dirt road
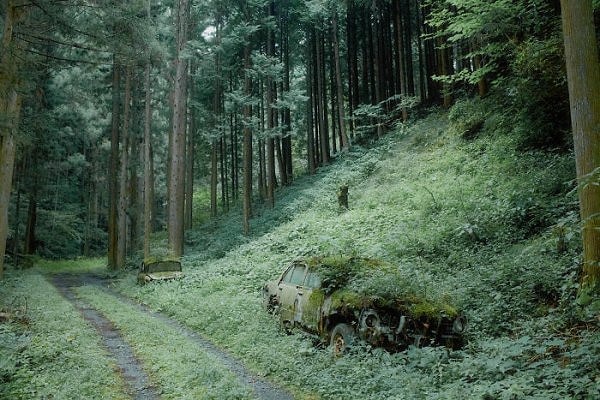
133	372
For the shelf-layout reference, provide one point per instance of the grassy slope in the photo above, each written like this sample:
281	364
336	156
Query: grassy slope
477	221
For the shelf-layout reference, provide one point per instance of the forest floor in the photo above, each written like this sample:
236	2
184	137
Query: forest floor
491	226
129	366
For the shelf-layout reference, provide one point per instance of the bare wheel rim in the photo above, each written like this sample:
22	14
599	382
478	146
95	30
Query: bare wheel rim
339	344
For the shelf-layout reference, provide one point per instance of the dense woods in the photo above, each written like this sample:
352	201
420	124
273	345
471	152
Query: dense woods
455	142
119	111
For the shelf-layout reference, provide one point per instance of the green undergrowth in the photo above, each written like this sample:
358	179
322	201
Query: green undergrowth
176	365
74	266
458	208
47	350
473	219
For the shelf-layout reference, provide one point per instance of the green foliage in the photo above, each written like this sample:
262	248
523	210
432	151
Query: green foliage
74	266
520	47
472	222
475	222
467	117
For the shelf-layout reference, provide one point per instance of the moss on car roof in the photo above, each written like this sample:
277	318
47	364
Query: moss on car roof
358	282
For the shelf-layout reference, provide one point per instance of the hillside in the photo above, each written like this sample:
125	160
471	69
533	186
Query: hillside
479	220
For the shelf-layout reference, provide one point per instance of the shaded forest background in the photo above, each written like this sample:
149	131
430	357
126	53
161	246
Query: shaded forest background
230	100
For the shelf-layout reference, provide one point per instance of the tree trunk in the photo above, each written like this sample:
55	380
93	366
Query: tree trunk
287	118
400	55
148	180
214	178
17	217
583	73
10	108
410	82
322	99
234	159
422	66
113	183
7	160
176	188
351	40
271	172
122	215
148	175
247	148
310	145
30	246
271	117
222	155
189	161
92	202
340	90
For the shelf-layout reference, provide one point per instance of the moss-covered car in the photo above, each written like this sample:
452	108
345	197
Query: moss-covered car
342	299
159	270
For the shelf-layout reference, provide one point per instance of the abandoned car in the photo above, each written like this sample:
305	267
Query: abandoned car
159	270
343	299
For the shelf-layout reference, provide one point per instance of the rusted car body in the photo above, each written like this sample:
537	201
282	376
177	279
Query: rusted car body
159	271
297	296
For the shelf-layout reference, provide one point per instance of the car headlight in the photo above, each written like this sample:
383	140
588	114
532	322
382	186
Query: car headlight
460	324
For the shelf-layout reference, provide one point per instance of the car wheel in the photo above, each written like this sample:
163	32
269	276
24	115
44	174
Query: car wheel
271	305
342	338
286	326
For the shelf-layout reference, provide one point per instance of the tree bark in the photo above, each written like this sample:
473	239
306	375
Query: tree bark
310	145
214	178
351	40
339	86
148	175
247	149
410	82
400	55
10	108
321	98
7	160
189	167
176	188
271	117
30	246
287	118
123	202
583	74
113	183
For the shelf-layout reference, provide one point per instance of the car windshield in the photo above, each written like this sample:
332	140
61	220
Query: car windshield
162	266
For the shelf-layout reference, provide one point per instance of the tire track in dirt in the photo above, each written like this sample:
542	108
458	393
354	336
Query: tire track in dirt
262	388
136	380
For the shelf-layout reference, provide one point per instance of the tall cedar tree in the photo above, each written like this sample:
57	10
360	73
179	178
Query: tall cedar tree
176	185
583	74
113	183
10	107
148	176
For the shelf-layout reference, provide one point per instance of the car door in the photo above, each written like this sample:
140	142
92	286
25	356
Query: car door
310	301
291	288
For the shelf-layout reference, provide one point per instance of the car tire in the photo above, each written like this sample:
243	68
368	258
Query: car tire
270	304
342	338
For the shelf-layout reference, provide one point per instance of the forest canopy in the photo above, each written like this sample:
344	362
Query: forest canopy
125	118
